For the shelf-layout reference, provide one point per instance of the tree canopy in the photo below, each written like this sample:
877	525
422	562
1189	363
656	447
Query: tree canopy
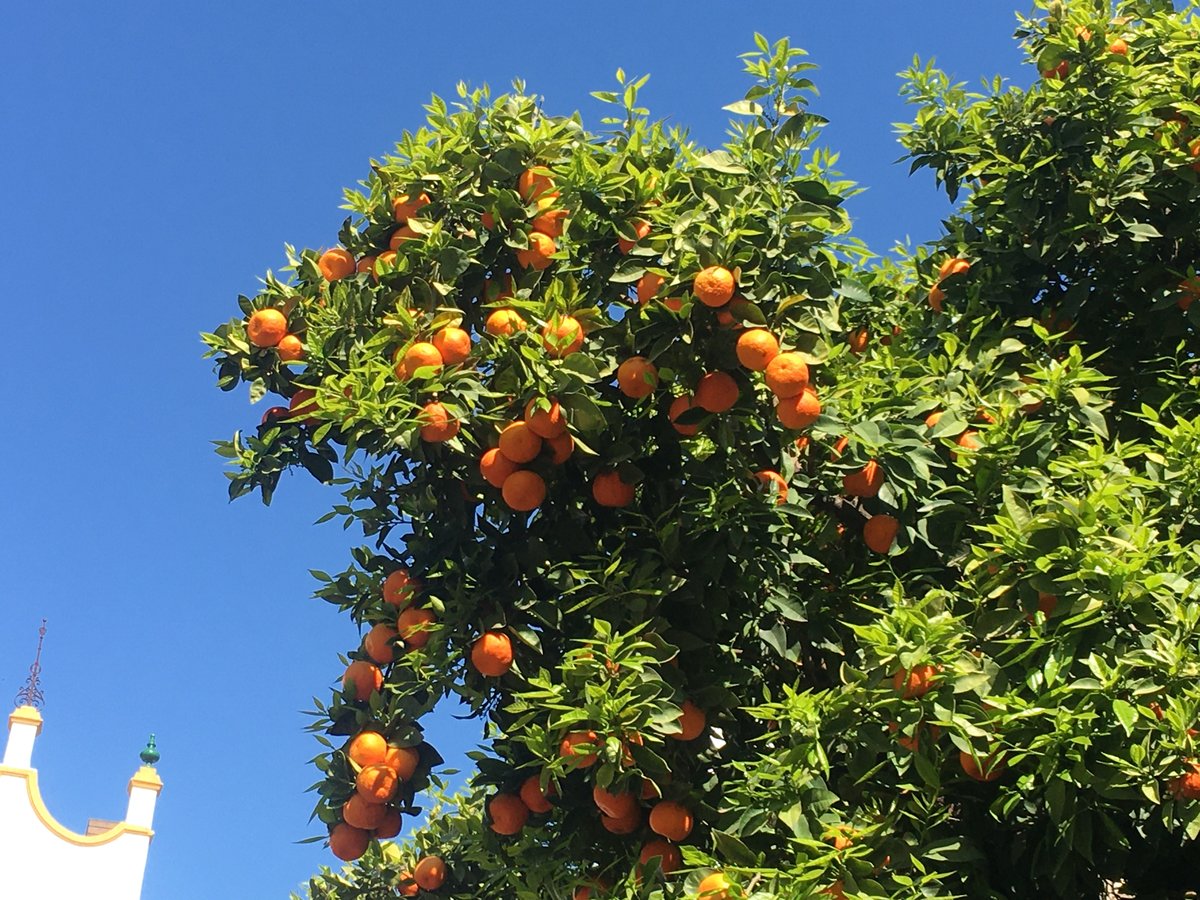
776	568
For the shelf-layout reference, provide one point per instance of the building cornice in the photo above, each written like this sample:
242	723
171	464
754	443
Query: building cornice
43	814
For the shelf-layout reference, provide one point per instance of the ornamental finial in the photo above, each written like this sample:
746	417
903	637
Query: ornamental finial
150	754
31	693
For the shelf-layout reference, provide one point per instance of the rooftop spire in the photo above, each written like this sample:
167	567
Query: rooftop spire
150	754
31	693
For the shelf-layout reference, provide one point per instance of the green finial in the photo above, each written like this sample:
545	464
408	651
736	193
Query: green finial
150	754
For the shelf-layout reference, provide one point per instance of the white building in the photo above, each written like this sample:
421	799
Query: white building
42	860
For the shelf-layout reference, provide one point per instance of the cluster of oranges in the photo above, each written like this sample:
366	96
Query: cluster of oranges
268	328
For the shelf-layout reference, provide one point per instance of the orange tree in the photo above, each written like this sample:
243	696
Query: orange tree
774	569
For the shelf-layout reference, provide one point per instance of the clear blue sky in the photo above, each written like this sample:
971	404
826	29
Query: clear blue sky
155	159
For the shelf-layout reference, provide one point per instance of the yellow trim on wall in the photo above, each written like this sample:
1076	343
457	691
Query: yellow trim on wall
146	777
27	715
43	814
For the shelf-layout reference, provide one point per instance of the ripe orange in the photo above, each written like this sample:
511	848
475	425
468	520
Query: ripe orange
839	447
368	748
519	442
626	824
420	355
837	890
360	814
858	340
561	448
648	287
401	236
347	842
641	229
1187	785
266	328
302	405
377	784
366	264
716	392
799	411
609	490
637	377
880	532
866	482
692	722
1119	47
569	748
362	680
537	255
787	374
534	797
933	418
378	644
678	407
504	323
713	286
715	887
917	682
429	873
399	588
492	654
954	266
453	344
618	806
667	854
495	467
936	297
336	263
438	427
290	348
768	477
487	220
523	491
545	423
672	820
535	182
384	262
549	222
404	208
388	827
508	814
402	760
412	625
1047	603
756	347
984	769
562	336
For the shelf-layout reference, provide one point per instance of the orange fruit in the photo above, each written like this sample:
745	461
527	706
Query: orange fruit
562	336
672	820
858	340
366	264
561	448
347	842
383	262
492	654
716	392
866	482
504	323
800	411
933	418
388	827
266	328
362	680
641	229
523	491
618	806
880	532
648	287
402	760
401	236
626	824
302	405
535	182
954	266
549	222
273	415
713	286
453	344
429	873
985	769
377	784
487	220
756	347
916	682
409	887
969	440
569	748
768	477
1119	47
837	890
667	854
839	447
678	407
336	263
378	644
692	722
675	304
936	297
508	814
537	255
519	442
420	355
534	797
1187	785
545	423
399	588
404	208
495	467
637	377
412	625
787	374
609	490
360	814
368	748
714	887
438	427
1047	603
290	348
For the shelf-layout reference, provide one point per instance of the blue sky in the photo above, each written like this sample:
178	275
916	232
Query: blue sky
155	159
